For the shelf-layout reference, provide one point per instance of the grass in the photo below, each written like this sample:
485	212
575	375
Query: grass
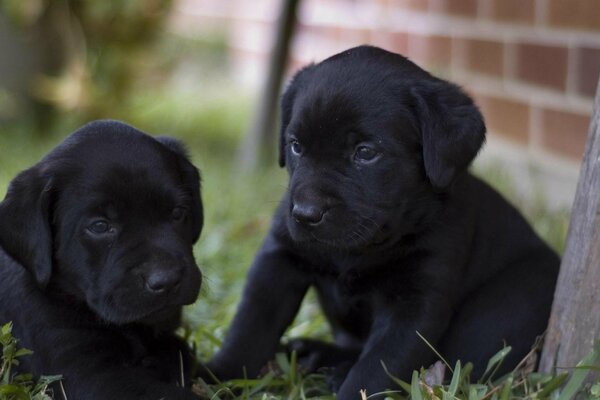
238	207
19	386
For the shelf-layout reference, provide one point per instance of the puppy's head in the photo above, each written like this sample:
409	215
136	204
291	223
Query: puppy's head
370	141
109	217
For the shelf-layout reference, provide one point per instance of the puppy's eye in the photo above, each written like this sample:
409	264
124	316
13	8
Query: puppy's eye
296	147
365	154
99	227
178	213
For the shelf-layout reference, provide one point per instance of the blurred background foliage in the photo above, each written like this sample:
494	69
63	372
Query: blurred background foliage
85	56
65	62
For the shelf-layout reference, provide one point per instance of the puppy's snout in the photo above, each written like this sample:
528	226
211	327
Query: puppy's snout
307	214
162	280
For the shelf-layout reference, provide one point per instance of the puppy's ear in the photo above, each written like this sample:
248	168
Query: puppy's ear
191	178
287	105
25	223
452	130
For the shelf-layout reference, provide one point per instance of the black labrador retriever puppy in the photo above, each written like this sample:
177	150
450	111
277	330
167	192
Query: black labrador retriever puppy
96	262
383	219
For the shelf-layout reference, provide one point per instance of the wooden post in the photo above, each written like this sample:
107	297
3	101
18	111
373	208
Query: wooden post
259	143
575	320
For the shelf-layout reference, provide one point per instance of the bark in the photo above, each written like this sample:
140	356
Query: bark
259	144
575	320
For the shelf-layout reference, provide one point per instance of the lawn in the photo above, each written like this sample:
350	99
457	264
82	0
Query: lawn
238	205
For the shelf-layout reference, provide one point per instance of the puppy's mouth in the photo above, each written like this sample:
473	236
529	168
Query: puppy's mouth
118	315
150	311
362	233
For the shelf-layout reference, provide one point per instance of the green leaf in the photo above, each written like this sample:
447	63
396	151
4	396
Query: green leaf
23	352
595	390
495	361
6	329
14	390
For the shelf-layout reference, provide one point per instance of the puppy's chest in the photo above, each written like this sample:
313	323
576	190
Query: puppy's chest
353	287
346	291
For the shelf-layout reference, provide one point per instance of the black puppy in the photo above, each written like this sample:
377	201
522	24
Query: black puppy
382	217
96	262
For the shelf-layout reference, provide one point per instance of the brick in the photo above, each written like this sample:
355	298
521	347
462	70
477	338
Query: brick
433	50
564	133
413	5
577	14
514	11
321	31
396	42
542	65
485	56
588	70
350	37
505	118
465	8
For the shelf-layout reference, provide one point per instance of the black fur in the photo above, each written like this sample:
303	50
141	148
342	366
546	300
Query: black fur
96	262
383	218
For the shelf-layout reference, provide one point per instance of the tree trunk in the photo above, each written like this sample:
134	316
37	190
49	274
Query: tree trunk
575	320
259	143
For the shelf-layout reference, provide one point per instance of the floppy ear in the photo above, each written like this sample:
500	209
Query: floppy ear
452	130
25	223
287	104
191	178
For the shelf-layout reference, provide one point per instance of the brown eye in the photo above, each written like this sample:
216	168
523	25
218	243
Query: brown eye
365	154
296	147
99	227
178	213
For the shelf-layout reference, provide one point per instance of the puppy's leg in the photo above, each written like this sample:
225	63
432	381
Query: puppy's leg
394	342
272	296
512	309
315	354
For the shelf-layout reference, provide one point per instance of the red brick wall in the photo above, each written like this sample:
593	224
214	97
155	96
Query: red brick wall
532	65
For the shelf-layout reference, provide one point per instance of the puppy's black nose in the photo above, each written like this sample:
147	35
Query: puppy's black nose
307	214
162	280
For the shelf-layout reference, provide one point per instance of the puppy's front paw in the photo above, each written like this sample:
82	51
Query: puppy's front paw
311	354
314	354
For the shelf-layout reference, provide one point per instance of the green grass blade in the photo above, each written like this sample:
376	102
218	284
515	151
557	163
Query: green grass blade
552	385
405	386
415	388
283	363
477	392
264	382
494	363
506	389
435	351
293	374
453	388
